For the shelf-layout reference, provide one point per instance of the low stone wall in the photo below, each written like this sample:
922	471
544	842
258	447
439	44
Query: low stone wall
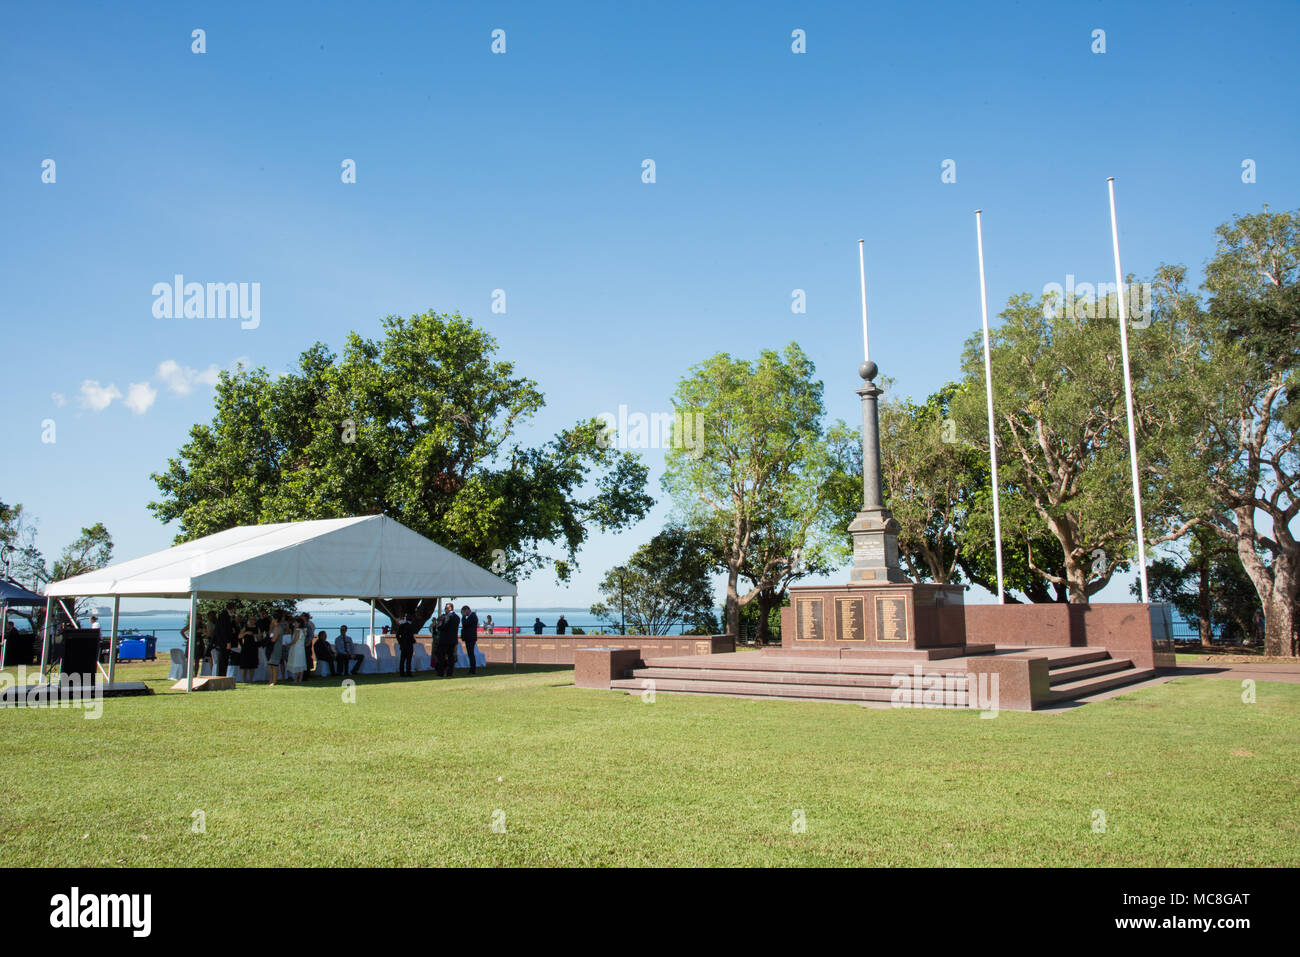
559	649
1130	630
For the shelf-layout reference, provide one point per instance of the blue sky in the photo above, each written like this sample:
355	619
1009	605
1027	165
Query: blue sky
522	171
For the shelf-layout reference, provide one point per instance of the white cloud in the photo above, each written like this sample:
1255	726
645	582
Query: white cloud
97	397
139	397
182	379
59	399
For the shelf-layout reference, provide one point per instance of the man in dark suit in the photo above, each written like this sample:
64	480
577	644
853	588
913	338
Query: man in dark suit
406	645
222	638
445	650
469	633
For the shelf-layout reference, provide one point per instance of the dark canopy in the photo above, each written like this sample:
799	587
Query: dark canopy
12	593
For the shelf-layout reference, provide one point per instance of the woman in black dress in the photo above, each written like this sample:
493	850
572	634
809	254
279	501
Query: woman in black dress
248	650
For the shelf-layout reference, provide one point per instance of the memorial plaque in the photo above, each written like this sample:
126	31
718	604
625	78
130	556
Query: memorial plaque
809	612
849	616
891	619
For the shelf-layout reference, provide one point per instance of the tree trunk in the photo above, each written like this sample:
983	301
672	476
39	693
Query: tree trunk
1279	626
766	601
1203	594
1275	584
733	602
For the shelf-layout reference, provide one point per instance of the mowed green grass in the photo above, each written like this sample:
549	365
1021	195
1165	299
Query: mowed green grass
413	772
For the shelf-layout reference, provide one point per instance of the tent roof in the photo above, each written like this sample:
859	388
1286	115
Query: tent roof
12	593
367	557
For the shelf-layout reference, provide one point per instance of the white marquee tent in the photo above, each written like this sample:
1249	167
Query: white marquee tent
371	557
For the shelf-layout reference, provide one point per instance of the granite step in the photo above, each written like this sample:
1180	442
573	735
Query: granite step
1072	673
1090	686
826	679
1067	659
767	690
804	665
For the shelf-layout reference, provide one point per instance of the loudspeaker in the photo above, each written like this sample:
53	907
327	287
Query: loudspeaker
80	652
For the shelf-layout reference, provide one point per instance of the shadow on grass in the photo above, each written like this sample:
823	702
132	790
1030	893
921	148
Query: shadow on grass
163	686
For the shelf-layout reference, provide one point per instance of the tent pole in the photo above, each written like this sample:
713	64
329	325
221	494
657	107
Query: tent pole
112	641
372	626
4	631
189	650
514	634
45	634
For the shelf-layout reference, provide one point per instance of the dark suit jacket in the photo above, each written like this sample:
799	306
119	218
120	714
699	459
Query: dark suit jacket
449	629
469	627
225	633
405	633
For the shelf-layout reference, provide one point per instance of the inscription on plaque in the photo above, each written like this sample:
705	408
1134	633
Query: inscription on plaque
809	611
891	619
849	616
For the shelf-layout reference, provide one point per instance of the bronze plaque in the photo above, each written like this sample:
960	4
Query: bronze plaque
891	619
809	624
849	616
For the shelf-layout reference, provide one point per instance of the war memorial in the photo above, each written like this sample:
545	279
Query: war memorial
882	638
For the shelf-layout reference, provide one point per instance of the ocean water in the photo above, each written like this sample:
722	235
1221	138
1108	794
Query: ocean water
166	626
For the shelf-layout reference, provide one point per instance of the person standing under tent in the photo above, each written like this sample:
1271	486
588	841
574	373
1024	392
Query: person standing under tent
223	636
445	650
274	648
309	632
248	649
406	645
296	660
469	633
200	649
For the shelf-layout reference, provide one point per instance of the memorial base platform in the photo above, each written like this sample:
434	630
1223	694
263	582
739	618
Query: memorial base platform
986	678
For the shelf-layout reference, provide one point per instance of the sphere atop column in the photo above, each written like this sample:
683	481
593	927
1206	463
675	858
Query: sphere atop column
868	370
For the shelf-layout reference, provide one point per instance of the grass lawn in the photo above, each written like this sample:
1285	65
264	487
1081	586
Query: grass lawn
413	771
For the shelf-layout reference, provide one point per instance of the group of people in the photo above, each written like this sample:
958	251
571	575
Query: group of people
286	640
539	626
447	628
290	650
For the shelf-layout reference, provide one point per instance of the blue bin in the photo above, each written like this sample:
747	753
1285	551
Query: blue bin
133	648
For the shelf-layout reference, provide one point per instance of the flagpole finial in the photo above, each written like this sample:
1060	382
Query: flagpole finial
1110	179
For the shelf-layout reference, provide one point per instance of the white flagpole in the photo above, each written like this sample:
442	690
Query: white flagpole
1128	396
988	392
862	279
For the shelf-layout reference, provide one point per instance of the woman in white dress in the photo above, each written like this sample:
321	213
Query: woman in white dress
297	651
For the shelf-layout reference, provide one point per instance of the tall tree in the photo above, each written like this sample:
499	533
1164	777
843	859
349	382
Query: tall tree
420	425
805	533
764	456
1241	464
1062	435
